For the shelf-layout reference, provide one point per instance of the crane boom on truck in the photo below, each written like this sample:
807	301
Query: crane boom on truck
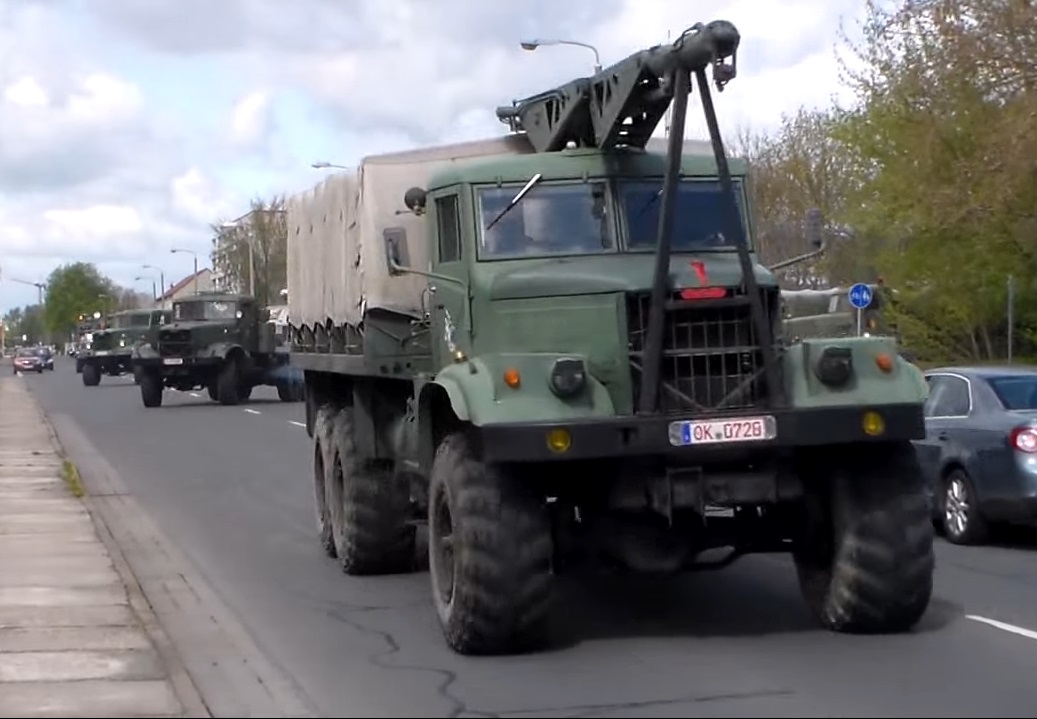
559	346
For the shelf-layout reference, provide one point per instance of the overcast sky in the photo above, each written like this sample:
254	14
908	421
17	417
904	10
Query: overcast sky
127	126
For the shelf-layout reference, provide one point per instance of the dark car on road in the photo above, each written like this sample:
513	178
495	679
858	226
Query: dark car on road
980	452
46	357
27	359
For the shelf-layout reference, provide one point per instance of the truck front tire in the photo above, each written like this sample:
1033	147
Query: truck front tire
323	462
91	374
151	389
866	560
490	553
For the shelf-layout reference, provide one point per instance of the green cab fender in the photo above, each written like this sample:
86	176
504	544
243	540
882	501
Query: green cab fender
477	393
221	349
880	375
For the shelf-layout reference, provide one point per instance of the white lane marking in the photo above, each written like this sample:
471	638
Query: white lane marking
195	394
297	424
1011	628
253	411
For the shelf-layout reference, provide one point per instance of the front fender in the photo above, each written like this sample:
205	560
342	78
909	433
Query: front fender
219	349
478	393
869	385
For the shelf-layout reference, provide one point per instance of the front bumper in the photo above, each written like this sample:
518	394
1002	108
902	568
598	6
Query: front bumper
109	358
634	436
178	365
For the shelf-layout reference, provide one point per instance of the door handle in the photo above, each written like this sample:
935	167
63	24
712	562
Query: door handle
942	436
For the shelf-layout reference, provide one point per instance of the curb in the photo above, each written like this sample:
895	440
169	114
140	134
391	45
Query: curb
183	686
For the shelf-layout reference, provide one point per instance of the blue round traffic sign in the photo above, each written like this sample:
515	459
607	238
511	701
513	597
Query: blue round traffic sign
860	295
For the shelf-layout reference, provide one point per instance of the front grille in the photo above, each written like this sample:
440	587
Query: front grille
712	358
103	342
175	343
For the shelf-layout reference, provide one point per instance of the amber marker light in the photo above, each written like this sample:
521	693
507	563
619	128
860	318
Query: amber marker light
559	440
873	424
512	378
884	362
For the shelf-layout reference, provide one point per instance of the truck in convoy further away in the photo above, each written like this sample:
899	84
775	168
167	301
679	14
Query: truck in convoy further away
221	342
559	347
113	348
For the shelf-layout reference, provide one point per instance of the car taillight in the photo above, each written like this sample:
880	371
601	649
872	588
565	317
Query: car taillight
1024	439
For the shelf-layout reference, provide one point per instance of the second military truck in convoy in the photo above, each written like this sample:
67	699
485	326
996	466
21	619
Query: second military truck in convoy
220	342
559	346
113	348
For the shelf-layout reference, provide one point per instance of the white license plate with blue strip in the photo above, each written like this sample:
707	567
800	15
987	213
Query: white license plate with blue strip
735	430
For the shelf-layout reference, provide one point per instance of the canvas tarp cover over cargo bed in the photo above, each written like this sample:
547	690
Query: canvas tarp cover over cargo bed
336	251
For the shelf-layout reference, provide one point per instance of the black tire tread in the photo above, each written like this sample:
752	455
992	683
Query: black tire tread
374	535
880	579
323	446
504	581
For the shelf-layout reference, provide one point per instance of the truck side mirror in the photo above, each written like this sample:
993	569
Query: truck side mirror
396	256
415	200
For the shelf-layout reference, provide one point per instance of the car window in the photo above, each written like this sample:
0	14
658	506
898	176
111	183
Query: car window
948	397
1015	392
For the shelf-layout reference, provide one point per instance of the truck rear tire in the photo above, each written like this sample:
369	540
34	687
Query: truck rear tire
151	389
490	553
323	461
91	375
370	509
866	561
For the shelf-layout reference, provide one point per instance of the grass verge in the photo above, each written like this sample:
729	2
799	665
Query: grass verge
71	476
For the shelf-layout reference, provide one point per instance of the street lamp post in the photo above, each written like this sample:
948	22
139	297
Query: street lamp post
161	281
195	254
322	165
154	294
532	45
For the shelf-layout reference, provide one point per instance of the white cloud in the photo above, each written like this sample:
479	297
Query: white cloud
27	92
250	119
198	196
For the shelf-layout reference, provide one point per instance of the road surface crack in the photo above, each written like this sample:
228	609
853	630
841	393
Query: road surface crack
591	710
382	657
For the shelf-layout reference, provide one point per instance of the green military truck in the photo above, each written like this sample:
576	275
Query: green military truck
218	341
559	347
113	348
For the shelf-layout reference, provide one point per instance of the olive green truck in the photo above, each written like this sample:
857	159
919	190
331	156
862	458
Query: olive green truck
558	348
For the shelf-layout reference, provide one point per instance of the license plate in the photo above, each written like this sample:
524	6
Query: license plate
173	360
723	431
101	353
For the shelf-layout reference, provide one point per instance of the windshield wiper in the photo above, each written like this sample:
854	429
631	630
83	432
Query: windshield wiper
516	199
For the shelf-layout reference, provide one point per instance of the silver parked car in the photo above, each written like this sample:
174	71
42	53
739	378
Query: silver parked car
980	452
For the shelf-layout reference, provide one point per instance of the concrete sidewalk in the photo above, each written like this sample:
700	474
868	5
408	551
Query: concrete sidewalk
71	643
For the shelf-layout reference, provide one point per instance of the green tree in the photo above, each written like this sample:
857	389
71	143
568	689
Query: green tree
941	141
74	289
262	236
26	321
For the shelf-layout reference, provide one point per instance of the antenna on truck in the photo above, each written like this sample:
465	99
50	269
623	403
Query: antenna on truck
621	106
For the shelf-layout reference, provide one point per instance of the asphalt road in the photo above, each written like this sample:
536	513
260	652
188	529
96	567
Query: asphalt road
232	486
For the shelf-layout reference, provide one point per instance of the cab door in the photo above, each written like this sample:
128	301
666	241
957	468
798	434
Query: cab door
448	298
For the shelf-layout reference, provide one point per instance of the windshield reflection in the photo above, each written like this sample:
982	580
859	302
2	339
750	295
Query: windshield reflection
700	223
550	220
205	310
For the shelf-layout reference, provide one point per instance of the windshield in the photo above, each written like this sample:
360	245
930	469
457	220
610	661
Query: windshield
700	221
25	353
550	220
123	321
207	310
1016	392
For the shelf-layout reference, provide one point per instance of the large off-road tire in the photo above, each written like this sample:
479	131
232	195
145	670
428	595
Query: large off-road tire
137	372
370	508
865	561
323	463
490	552
228	383
91	375
213	393
151	389
289	392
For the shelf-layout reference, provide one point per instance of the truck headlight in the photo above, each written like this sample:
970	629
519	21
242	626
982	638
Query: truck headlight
835	366
568	377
